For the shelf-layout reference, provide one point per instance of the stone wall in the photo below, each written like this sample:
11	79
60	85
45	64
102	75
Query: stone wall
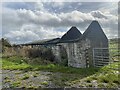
56	53
16	51
76	53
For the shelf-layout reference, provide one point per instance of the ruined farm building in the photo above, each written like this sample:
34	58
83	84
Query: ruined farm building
98	41
74	49
80	48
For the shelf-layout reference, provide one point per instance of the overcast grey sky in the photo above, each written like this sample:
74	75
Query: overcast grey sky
28	21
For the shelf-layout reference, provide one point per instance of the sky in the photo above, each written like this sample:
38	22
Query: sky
24	22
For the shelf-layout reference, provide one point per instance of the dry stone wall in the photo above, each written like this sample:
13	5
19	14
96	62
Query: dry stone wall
76	53
56	53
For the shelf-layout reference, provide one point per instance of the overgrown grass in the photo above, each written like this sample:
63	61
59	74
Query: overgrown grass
26	76
105	77
44	83
16	84
114	49
108	76
17	64
8	64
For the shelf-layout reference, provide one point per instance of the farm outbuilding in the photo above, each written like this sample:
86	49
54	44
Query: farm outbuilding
80	50
98	43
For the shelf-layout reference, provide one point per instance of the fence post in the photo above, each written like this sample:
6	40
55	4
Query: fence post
93	58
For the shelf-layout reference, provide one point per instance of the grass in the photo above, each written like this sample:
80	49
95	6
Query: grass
108	74
26	76
35	75
6	77
16	84
10	64
6	64
114	49
8	80
14	63
44	83
32	88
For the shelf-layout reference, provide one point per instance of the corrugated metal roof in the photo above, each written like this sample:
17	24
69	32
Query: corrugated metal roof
44	42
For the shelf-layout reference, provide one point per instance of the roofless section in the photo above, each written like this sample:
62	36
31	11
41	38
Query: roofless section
72	35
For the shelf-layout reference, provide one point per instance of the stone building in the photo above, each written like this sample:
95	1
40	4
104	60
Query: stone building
79	47
76	50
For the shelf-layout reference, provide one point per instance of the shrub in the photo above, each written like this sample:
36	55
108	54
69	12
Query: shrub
42	52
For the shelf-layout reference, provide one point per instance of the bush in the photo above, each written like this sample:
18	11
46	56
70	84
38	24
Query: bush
42	52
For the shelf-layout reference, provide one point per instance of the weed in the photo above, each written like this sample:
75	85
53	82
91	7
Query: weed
26	76
16	84
35	75
6	81
101	85
17	72
44	83
64	79
6	77
31	87
89	85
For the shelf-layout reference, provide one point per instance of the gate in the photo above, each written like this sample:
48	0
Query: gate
100	57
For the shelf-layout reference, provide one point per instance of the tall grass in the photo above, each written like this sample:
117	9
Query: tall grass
18	63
